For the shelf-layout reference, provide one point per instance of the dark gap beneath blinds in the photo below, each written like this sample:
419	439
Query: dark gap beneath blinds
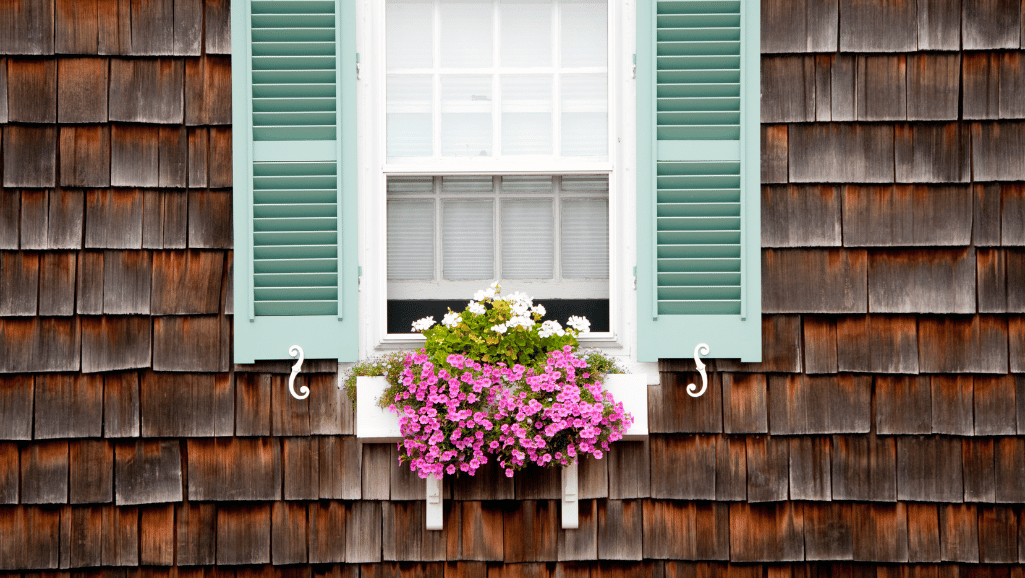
402	313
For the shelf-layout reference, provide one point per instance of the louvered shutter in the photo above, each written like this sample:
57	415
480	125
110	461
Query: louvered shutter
293	82
698	257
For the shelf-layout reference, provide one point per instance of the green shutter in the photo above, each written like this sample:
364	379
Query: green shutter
293	82
698	256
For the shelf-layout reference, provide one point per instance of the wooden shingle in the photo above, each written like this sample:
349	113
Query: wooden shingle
187	282
165	215
775	154
121	404
89	283
959	533
881	88
65	220
113	343
1012	81
152	27
843	87
828	531
3	90
218	27
68	406
340	470
186	405
730	468
903	404
301	465
19	283
873	27
533	483
363	528
35	344
376	472
781	349
29	156
120	540
243	534
44	473
127	282
1016	337
405	536
156	535
289	416
846	153
671	409
922	281
686	530
475	531
933	85
197	534
330	407
29	538
620	535
147	472
191	343
593	478
16	395
82	90
986	223
135	156
824	87
801	216
991	275
26	27
208	90
77	26
744	403
929	469
683	467
629	470
998	535
819	345
34	216
252	404
810	459
766	532
952	404
1009	462
788	89
975	344
939	24
923	533
1015	280
85	156
188	27
995	408
234	469
819	405
928	153
173	157
199	156
784	25
32	90
877	343
1012	215
789	281
113	219
981	88
288	533
582	543
220	157
874	520
978	467
10	218
996	149
991	24
864	468
210	219
767	468
81	533
327	532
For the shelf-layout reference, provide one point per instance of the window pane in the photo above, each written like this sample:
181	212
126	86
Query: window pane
466	185
466	116
518	185
410	240
526	33
526	115
410	118
410	34
585	115
466	34
585	239
584	33
528	240
468	240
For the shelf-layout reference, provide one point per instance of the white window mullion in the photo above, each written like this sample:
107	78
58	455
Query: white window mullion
436	83
557	80
557	225
496	86
497	215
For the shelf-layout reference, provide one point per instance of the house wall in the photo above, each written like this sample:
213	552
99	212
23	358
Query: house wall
880	436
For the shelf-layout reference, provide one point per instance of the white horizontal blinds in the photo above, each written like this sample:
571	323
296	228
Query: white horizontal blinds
528	239
507	78
585	228
295	167
698	174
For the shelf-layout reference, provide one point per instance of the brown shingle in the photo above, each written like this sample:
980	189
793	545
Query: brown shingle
475	531
327	532
191	343
10	217
187	282
803	404
188	27
731	468
593	477
121	405
846	153
29	538
672	409
932	153
289	416
16	393
533	483
490	483
991	24
38	344
923	533
819	344
252	404
1016	280
165	215
173	156
767	468
981	85
113	219
44	473
112	343
963	344
89	283
929	469
1016	337
868	26
68	406
791	281
127	282
828	531
32	90
810	459
682	467
208	90
1009	462
1012	216
864	468
959	533
582	543
156	535
903	404
186	405
147	472
800	216
120	545
1012	83
686	530
197	534
210	219
775	152
26	27
952	405
82	91
997	149
766	532
874	520
978	467
784	26
991	275
629	470
933	85
19	283
788	88
220	156
843	88
34	217
922	281
620	535
330	407
218	27
135	156
66	218
301	464
877	343
882	87
243	534
363	527
288	533
376	471
30	156
234	469
91	472
998	535
199	156
81	533
85	156
744	405
152	26
986	223
939	24
77	26
405	536
824	87
995	408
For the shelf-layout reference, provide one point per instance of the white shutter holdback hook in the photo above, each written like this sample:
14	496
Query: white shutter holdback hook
699	350
293	351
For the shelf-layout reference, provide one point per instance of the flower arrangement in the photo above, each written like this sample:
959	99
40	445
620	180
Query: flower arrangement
495	382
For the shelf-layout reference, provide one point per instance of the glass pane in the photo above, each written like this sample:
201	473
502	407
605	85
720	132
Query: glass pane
526	115
409	34
409	116
584	33
528	239
519	185
466	185
526	33
585	239
466	116
411	240
466	34
468	240
410	186
585	115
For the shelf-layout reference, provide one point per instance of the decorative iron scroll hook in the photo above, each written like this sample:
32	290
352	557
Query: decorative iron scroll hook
293	351
699	350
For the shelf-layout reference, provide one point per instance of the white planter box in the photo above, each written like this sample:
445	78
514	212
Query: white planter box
632	390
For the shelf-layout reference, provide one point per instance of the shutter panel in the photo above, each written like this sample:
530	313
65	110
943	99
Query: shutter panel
293	82
699	257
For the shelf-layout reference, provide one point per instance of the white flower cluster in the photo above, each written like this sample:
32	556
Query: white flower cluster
423	324
579	323
550	328
451	319
476	307
488	293
520	321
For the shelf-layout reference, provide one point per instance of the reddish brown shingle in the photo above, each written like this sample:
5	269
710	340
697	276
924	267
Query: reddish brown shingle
156	535
191	343
881	87
190	405
39	344
775	151
32	90
148	472
197	534
187	282
923	533
30	156
933	83
82	91
288	533
932	153
828	531
29	538
234	469
876	343
475	531
208	90
10	473
243	534
68	406
91	472
768	463
686	530
801	216
629	470
672	409
873	27
113	219
769	532
952	404
864	468
57	283
210	219
115	342
959	533
784	270
744	403
991	24
44	473
810	459
683	467
404	536
19	283
16	398
218	27
874	520
844	153
929	469
975	344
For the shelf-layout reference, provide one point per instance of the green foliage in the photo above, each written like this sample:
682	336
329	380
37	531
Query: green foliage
389	366
600	364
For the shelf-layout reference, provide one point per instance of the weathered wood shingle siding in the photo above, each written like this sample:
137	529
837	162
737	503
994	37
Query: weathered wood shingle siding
881	435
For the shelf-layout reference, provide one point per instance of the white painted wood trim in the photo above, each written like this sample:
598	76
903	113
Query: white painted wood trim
373	424
435	513
632	390
570	497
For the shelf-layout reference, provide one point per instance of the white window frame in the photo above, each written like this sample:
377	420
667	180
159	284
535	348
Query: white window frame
620	340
